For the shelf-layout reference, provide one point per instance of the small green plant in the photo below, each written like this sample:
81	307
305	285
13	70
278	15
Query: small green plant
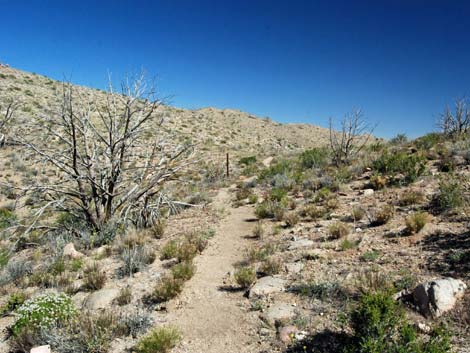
258	230
13	302
416	221
158	229
245	276
319	290
43	312
186	251
370	256
338	230
271	266
291	219
314	158
411	198
159	340
411	166
314	212
7	218
247	160
260	253
449	195
347	244
183	271
268	209
383	215
169	250
277	194
167	288
252	199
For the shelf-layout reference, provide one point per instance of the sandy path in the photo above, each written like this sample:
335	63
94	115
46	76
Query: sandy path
213	320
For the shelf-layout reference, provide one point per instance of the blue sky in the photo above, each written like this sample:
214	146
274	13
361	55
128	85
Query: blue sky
401	61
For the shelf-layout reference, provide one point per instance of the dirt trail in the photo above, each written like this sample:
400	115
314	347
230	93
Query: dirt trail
213	320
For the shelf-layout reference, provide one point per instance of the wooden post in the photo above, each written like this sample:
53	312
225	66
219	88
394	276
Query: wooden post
228	167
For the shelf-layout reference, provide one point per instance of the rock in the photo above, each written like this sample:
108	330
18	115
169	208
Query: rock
267	162
436	297
267	285
422	327
41	349
368	192
300	243
250	182
294	267
69	251
280	312
459	160
287	333
100	299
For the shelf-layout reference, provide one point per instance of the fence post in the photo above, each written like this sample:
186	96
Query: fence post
228	167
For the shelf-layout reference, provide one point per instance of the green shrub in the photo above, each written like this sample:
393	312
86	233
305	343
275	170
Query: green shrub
186	251
159	340
416	222
268	209
321	291
314	158
338	230
260	253
169	250
379	325
370	256
43	312
357	213
428	141
271	266
167	288
409	198
347	244
450	194
184	270
247	160
277	194
124	297
158	229
7	218
13	302
291	219
4	257
410	165
245	276
314	212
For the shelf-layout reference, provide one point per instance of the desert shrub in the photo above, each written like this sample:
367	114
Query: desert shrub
169	250
446	164
124	297
411	198
373	280
291	219
320	290
43	312
14	301
7	218
357	213
370	256
94	277
136	322
167	288
428	141
4	257
338	230
416	221
314	158
245	276
378	182
314	212
271	266
260	253
158	229
347	244
199	240
183	271
160	340
135	258
399	139
282	167
15	271
410	165
252	199
268	209
379	325
243	194
247	160
258	230
277	194
450	194
186	251
383	215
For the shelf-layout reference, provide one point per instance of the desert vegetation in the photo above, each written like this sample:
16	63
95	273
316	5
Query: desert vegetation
120	229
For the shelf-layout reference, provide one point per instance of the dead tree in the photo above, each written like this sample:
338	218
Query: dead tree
6	118
351	139
455	123
110	152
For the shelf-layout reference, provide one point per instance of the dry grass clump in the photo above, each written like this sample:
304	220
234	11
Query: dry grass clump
94	277
258	230
159	340
271	266
313	212
338	230
291	219
416	221
245	276
357	213
167	288
124	297
158	229
383	215
409	198
183	271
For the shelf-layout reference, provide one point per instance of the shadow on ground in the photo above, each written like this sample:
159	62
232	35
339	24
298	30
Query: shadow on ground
322	342
450	254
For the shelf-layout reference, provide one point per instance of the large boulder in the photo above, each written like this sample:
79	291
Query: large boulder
267	285
436	297
101	299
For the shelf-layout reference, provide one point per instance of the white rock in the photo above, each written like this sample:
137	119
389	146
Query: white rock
100	299
267	285
294	267
41	349
267	162
368	192
69	251
278	313
250	182
300	243
436	297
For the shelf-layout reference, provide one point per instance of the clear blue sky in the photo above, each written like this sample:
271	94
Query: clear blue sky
401	61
